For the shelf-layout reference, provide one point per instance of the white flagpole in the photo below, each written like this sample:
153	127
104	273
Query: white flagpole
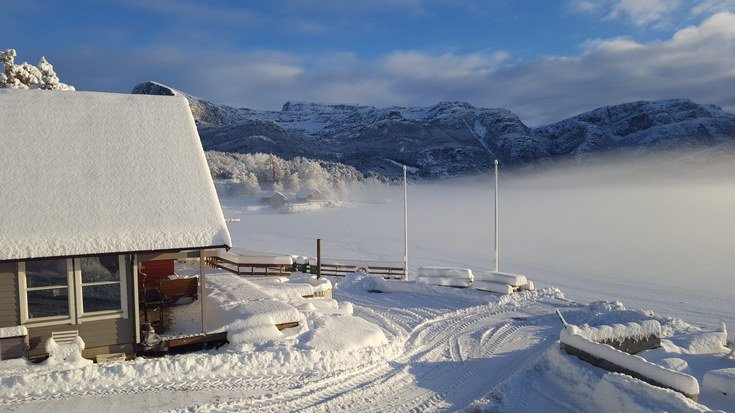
497	237
405	224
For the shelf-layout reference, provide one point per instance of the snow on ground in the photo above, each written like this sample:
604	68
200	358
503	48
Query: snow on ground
390	345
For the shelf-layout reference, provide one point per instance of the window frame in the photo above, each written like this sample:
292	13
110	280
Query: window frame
75	296
81	315
50	320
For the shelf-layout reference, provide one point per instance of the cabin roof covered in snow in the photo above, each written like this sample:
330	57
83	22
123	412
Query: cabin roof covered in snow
92	173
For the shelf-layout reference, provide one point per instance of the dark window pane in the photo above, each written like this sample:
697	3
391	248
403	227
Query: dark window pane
46	303
46	273
104	268
101	297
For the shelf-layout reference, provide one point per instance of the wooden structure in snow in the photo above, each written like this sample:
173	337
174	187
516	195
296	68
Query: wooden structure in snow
109	171
310	196
275	199
251	263
574	342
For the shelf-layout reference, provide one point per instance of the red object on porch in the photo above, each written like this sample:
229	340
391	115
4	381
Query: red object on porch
152	272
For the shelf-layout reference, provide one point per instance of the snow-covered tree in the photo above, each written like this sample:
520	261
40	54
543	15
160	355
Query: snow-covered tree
27	76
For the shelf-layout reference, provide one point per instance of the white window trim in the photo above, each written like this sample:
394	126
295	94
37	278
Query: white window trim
83	316
75	297
23	296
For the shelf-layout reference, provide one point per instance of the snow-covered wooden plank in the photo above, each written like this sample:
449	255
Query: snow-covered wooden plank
612	359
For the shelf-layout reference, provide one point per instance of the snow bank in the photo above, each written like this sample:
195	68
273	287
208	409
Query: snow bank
617	332
514	280
708	342
15	331
343	332
492	286
684	383
247	312
620	393
721	381
317	285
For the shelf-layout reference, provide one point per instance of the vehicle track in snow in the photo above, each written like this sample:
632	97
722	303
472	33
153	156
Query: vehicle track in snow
451	359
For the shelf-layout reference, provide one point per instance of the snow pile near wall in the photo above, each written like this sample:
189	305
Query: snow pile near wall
612	332
571	335
444	276
720	381
67	353
339	332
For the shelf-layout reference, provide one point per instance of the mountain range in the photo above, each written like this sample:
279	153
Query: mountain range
451	138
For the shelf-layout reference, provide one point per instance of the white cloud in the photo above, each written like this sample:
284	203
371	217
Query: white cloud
642	12
695	63
638	12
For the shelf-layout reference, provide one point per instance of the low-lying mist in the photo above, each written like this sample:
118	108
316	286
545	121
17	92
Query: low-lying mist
655	232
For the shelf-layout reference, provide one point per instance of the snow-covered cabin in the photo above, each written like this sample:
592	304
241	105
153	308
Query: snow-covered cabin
275	199
310	196
92	184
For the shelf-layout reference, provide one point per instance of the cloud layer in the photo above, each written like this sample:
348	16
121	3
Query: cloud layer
696	63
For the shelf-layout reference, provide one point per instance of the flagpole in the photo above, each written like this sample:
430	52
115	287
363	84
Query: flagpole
405	224
497	233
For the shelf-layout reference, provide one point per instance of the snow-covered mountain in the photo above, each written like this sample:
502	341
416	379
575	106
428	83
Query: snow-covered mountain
449	138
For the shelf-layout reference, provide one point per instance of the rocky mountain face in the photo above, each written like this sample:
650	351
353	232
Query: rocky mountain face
450	138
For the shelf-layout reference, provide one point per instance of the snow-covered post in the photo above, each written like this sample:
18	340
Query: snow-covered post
203	289
405	224
497	236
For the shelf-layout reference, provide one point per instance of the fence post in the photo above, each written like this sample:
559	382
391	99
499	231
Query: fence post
318	258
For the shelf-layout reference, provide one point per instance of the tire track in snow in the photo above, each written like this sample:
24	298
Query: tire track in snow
394	388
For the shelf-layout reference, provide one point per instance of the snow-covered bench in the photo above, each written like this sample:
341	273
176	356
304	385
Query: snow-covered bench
609	358
445	276
501	282
13	342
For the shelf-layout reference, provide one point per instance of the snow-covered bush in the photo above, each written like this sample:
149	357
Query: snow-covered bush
248	174
27	76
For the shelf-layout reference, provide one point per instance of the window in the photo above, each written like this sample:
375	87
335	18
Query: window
100	282
46	290
65	291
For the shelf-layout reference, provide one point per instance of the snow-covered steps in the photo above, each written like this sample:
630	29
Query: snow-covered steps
445	276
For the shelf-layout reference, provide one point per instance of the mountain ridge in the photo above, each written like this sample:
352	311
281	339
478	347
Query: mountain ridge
450	138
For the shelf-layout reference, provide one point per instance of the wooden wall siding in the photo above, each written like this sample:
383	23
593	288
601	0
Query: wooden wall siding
12	348
100	337
9	314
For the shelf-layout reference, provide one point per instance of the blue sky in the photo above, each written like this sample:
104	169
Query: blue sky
541	59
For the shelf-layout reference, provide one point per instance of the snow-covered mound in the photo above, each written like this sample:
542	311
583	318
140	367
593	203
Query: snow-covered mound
449	138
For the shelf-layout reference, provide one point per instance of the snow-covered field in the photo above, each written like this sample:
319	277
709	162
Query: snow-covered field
660	246
647	234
